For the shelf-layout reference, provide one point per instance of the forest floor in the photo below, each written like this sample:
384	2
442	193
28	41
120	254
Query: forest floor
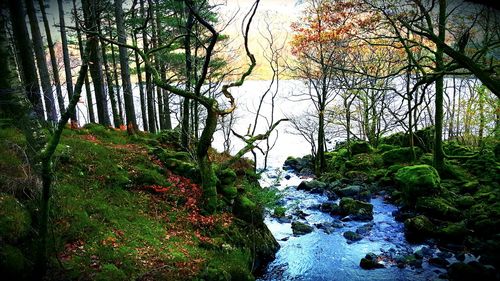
116	214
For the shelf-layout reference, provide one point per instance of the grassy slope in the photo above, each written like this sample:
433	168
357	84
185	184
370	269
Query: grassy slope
106	225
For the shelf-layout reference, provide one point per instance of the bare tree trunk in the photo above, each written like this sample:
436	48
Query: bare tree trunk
90	103
149	82
124	68
25	56
438	146
53	59
185	135
90	11
43	70
117	119
67	63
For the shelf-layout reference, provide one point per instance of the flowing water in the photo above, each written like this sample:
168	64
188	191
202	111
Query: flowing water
324	254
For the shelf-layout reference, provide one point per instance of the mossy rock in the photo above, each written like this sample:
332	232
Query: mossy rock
438	207
312	186
364	162
357	210
352	236
360	147
484	218
110	272
15	221
13	264
400	155
169	136
247	210
149	176
464	202
470	187
460	271
357	176
454	232
381	148
427	159
419	228
300	228
417	181
186	169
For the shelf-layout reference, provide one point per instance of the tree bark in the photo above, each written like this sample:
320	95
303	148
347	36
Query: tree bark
117	119
185	132
43	70
67	63
53	59
90	103
125	71
438	122
149	83
25	57
90	11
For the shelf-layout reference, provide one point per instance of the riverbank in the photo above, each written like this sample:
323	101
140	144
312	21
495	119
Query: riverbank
453	215
129	208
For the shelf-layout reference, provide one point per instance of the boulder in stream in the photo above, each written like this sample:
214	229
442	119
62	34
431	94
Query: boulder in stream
356	210
352	236
312	186
300	228
370	262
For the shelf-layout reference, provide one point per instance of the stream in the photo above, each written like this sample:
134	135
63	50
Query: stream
324	254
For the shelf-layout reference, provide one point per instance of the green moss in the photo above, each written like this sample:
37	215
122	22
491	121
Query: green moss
360	147
400	155
110	272
15	221
13	264
149	176
418	228
464	202
455	232
385	147
279	212
418	180
437	207
358	210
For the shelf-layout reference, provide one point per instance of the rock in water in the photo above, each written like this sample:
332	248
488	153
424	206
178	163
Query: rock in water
370	262
300	228
357	210
352	236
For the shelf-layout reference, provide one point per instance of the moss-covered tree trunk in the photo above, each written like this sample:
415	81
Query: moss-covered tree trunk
208	177
438	144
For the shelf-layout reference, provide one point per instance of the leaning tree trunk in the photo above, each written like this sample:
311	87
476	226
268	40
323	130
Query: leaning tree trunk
25	57
124	69
48	96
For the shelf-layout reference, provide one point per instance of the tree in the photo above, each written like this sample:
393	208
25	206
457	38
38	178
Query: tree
91	13
48	95
325	29
25	57
125	72
67	64
53	59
